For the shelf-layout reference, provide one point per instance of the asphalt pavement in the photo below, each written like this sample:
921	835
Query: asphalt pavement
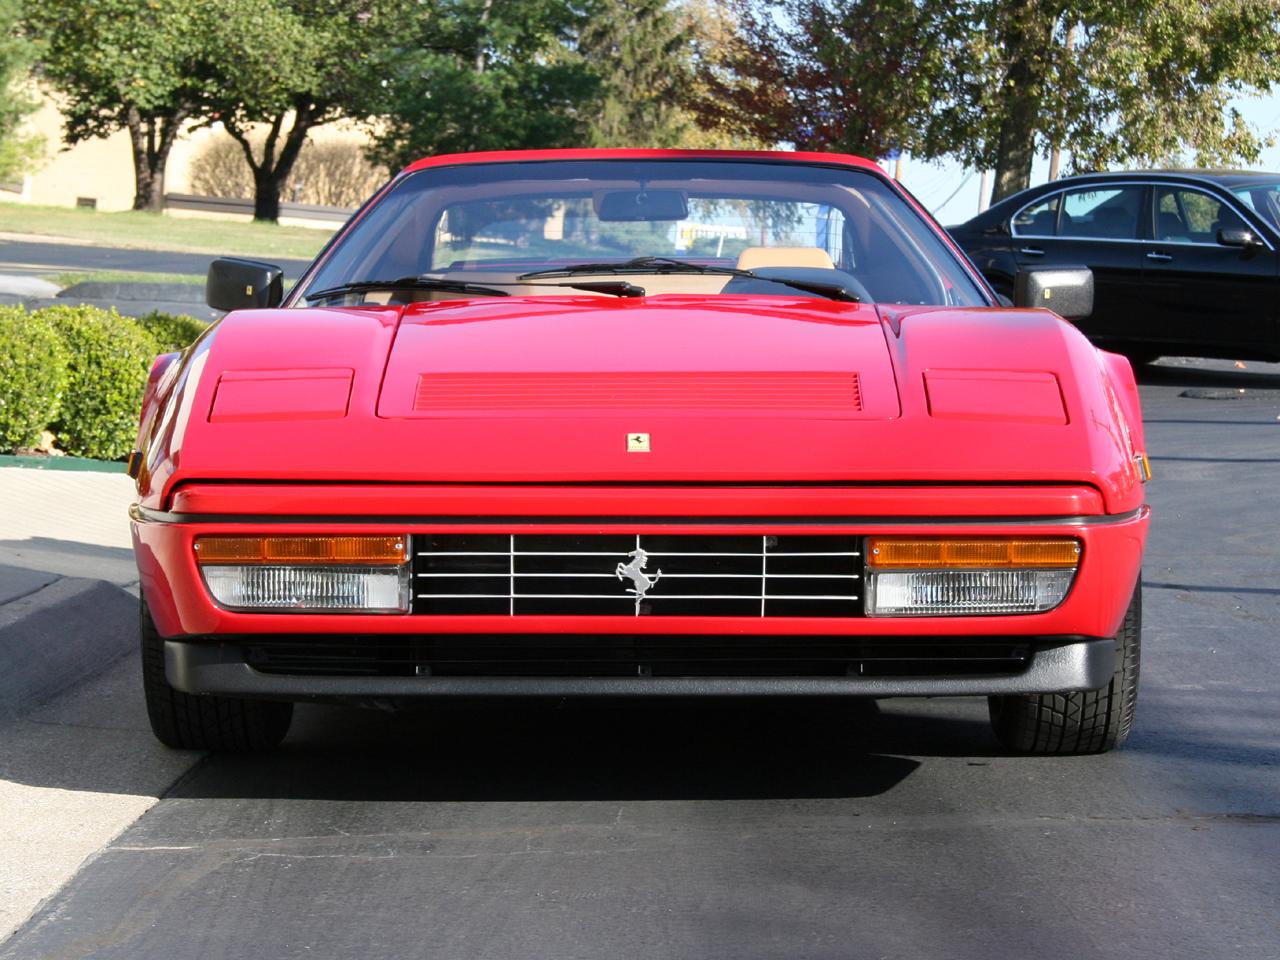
43	257
738	830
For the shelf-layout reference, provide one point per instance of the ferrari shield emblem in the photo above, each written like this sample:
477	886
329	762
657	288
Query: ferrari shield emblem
637	443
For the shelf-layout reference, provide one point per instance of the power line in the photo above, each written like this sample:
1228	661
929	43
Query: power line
956	192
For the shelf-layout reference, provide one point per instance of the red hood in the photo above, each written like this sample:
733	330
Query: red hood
661	357
729	389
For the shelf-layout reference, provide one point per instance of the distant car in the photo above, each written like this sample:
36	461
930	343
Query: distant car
1185	263
639	423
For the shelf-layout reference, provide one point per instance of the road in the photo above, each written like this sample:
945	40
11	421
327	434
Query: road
38	257
759	830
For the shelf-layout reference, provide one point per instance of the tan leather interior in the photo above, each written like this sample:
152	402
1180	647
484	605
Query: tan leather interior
754	257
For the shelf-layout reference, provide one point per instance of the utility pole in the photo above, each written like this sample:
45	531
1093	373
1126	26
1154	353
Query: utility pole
984	190
897	167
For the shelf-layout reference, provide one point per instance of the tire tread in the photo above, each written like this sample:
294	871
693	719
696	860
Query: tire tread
1089	721
204	722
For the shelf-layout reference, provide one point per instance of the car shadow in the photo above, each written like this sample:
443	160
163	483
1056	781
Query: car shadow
670	749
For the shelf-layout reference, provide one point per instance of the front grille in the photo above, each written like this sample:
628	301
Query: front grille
730	575
638	656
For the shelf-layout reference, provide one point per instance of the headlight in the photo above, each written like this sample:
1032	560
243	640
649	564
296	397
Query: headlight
919	577
307	574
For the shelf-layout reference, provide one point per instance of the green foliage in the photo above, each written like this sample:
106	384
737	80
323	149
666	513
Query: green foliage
33	373
994	82
293	65
855	76
110	357
486	75
642	51
172	332
121	64
16	150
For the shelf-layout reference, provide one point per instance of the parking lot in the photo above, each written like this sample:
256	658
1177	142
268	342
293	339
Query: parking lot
730	829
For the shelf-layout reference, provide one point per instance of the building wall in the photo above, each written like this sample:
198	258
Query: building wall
101	170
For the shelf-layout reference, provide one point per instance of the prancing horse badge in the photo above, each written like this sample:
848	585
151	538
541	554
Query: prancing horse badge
637	443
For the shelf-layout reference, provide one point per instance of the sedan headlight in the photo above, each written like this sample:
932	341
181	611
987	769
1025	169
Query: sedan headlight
307	574
921	577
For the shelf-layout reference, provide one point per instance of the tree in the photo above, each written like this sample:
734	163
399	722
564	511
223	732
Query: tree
15	103
994	82
641	50
486	75
121	64
292	65
850	75
1143	82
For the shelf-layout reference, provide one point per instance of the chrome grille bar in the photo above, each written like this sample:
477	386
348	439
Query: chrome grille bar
809	575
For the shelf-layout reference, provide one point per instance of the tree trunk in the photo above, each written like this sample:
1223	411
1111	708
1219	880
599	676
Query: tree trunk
272	172
151	138
1016	147
266	196
1027	34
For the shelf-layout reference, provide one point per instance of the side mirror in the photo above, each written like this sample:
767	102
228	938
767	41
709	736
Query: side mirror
1067	291
1238	237
239	284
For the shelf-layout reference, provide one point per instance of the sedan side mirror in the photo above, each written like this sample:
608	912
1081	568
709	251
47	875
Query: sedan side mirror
240	284
1067	291
1238	237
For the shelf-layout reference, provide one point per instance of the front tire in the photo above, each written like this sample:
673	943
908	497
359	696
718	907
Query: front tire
1070	724
204	722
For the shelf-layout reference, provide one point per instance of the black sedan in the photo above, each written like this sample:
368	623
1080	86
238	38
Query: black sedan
1185	262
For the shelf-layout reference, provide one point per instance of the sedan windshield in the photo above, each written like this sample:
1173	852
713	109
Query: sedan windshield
764	227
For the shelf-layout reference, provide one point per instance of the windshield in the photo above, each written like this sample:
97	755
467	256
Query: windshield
1263	198
495	223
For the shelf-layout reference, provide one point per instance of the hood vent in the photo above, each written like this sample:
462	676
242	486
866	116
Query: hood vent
801	391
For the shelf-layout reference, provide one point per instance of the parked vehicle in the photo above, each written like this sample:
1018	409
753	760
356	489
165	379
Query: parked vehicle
640	423
1185	262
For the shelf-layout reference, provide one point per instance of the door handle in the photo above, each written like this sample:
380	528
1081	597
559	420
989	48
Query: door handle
1031	251
1161	257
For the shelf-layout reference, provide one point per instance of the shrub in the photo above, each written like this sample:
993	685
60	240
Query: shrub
33	373
109	358
333	173
172	332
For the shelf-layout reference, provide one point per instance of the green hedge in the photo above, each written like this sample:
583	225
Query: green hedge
80	371
172	332
110	357
33	374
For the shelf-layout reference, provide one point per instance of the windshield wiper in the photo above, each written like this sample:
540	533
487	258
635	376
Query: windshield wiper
617	288
832	290
420	283
634	265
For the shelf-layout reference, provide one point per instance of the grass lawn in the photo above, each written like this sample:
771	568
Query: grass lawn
149	231
71	277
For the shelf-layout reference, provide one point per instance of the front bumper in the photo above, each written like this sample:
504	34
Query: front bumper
221	668
205	652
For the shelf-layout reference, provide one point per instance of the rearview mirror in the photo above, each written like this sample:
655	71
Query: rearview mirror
1067	291
629	206
241	284
1238	237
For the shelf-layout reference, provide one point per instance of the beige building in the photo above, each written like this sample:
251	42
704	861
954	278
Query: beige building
99	173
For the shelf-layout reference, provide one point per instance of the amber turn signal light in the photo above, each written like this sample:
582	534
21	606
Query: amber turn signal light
912	553
367	551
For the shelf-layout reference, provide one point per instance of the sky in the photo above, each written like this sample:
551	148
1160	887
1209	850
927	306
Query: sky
950	192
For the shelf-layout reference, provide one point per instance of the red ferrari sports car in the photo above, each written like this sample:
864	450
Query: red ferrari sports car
640	423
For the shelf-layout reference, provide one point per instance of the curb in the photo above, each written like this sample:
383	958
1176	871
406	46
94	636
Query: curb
60	636
78	464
